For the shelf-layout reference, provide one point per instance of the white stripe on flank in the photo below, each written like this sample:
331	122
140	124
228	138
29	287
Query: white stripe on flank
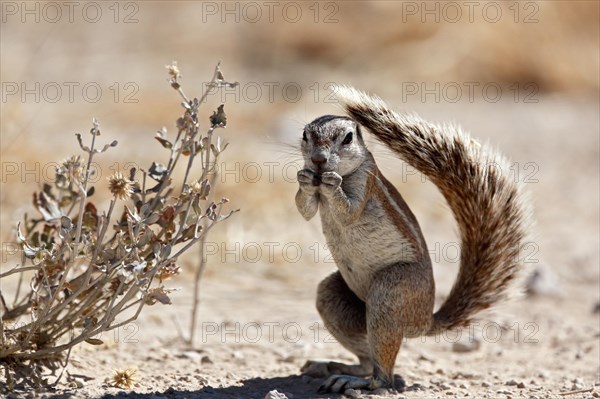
391	200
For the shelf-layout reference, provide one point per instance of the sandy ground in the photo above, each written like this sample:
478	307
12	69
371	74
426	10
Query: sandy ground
258	323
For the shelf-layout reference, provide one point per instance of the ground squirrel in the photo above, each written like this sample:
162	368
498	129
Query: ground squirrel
384	289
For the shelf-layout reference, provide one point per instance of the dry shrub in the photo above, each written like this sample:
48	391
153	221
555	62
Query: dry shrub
95	271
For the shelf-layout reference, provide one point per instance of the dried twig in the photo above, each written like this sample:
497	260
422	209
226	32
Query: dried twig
576	392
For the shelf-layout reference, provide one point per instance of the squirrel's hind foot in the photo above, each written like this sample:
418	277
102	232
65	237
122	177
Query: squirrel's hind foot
339	383
319	369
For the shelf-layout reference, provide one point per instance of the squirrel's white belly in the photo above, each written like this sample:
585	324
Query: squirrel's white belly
359	250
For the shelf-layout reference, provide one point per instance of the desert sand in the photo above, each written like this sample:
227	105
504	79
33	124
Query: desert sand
257	320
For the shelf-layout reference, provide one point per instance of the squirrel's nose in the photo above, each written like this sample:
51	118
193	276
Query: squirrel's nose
319	158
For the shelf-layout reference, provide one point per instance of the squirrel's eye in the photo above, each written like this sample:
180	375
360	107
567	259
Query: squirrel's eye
347	139
304	138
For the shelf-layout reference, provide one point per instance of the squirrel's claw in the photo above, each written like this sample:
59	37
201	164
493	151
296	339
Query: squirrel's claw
332	179
339	383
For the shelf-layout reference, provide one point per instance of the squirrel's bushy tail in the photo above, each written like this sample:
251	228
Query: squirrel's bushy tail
492	215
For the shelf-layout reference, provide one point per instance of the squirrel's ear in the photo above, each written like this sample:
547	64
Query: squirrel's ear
358	131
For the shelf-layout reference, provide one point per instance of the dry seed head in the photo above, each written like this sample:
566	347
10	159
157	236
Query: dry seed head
173	70
174	74
196	187
124	378
72	168
167	271
119	186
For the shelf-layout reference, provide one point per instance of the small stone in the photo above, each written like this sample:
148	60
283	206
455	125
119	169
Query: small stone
464	386
542	375
542	282
511	383
465	346
485	384
416	387
445	386
381	391
465	375
521	385
206	360
190	355
274	394
76	384
426	357
577	384
202	380
231	376
353	393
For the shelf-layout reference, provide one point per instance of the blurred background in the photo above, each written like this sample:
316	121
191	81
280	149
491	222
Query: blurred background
522	76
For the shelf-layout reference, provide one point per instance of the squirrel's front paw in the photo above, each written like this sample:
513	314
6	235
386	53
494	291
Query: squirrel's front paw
330	181
308	180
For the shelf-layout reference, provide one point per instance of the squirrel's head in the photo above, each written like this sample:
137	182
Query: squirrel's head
333	144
